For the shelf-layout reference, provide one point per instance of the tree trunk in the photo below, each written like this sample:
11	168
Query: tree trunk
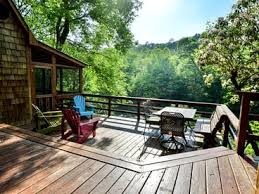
62	33
233	79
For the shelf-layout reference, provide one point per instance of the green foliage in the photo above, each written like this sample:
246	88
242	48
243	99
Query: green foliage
166	71
230	47
96	23
70	80
104	75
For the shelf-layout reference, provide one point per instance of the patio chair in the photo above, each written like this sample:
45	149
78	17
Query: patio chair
46	119
80	106
150	119
82	129
172	124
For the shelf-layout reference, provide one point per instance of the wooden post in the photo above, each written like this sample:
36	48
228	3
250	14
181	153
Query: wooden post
138	110
53	81
257	181
109	106
81	81
243	123
61	80
226	131
30	80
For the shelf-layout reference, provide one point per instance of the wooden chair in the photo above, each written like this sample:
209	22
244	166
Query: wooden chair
172	124
208	127
46	119
82	129
80	106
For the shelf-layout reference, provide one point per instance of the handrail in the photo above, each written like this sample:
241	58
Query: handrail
139	106
254	117
155	100
231	116
68	96
136	103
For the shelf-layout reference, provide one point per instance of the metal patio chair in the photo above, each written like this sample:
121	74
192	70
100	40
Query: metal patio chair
172	124
150	119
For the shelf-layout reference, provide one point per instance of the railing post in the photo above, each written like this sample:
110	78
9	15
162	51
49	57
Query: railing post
243	123
138	110
81	80
257	181
226	131
109	106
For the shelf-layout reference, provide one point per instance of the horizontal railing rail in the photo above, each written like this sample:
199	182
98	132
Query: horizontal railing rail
133	105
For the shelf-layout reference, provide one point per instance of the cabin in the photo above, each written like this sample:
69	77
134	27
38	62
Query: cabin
30	71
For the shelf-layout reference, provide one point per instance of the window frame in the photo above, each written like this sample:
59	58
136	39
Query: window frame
44	89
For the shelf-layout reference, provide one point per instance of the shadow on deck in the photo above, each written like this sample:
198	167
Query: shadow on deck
125	136
14	151
128	137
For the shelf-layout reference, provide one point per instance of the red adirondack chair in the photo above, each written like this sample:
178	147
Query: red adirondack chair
82	129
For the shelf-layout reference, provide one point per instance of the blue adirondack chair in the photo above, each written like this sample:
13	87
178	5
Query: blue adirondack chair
80	106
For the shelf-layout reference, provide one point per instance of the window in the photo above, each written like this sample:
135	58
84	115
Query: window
43	80
67	80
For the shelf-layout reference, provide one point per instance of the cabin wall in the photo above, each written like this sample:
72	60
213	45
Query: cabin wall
15	101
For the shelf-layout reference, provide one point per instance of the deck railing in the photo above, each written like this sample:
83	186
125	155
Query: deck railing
134	105
245	133
230	128
236	131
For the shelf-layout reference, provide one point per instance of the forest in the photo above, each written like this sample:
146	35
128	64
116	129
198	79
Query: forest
169	71
205	67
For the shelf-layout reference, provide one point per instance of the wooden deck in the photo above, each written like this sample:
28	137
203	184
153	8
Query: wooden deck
34	163
124	136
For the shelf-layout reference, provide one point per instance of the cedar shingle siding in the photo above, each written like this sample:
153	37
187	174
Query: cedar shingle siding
14	88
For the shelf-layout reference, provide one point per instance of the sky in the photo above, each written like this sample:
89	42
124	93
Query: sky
158	21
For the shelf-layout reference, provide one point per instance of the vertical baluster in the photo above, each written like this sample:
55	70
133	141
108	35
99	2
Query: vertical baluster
226	131
138	110
109	106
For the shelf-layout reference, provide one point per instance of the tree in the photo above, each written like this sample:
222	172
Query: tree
104	75
97	23
165	72
230	46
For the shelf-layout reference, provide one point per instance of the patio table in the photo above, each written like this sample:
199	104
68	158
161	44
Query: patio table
188	113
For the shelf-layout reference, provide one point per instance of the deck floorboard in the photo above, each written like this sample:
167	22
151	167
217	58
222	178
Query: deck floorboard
49	165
